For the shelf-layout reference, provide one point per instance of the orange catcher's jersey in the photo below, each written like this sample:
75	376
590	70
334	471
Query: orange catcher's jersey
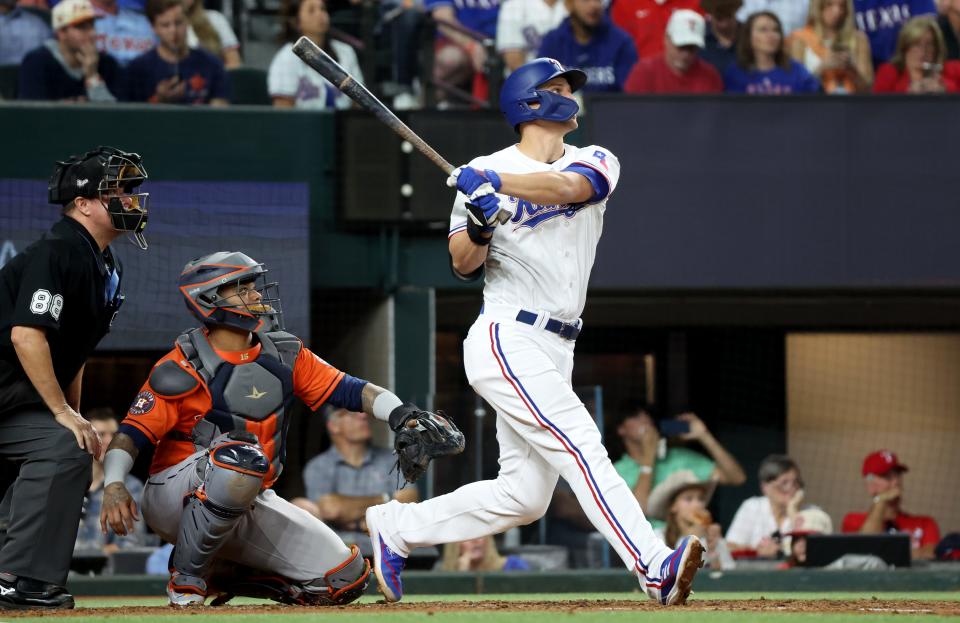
177	397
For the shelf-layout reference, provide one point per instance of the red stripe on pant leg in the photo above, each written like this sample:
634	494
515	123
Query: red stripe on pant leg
562	443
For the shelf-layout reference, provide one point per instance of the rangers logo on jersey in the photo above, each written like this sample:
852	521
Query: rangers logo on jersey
527	214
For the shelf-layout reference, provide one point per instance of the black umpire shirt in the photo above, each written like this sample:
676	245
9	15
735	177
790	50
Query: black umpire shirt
62	283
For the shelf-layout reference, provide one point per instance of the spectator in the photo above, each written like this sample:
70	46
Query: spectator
405	21
292	84
69	68
763	66
919	65
172	73
122	32
681	501
882	20
351	476
479	555
646	21
522	25
832	49
679	69
720	42
211	31
588	40
949	22
642	468
20	32
761	520
460	58
90	536
805	523
883	476
791	13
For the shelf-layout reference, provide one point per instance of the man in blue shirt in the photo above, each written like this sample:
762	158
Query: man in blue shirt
882	20
172	72
459	56
588	40
20	32
723	28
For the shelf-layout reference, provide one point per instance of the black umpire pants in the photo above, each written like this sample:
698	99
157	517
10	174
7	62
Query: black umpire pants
46	499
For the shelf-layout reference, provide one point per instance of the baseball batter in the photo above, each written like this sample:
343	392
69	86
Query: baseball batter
217	408
530	216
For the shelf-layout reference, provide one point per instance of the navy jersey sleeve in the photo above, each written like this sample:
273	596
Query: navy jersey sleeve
348	394
41	296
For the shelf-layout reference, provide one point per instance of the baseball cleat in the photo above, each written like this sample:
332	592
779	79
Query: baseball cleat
26	594
678	570
186	591
387	565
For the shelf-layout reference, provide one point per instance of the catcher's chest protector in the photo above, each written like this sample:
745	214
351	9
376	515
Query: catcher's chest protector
254	396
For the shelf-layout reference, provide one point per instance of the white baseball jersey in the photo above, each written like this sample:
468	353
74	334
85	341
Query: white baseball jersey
541	259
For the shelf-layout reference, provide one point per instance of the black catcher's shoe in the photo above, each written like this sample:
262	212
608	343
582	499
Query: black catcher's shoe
26	594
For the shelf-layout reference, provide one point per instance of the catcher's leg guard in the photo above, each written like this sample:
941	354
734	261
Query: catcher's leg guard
341	585
232	479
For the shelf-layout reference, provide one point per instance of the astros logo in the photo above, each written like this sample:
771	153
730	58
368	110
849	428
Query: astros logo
143	403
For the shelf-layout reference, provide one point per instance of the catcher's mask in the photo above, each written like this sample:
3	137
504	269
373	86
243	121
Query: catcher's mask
110	175
206	284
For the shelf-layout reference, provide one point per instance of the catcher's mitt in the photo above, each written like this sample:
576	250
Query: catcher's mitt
433	435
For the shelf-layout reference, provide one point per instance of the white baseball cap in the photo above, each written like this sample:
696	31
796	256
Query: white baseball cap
69	12
686	27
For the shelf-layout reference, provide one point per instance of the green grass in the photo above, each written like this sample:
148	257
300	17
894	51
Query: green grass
88	611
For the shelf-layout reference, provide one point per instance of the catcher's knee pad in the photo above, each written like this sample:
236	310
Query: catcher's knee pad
232	479
341	585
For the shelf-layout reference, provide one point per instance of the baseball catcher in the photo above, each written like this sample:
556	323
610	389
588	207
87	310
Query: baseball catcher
217	408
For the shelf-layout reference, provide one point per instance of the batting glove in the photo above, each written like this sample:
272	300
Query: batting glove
469	180
482	210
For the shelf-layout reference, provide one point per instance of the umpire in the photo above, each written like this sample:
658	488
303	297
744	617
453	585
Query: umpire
58	299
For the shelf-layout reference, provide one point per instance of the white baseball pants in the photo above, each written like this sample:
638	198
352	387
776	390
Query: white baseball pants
544	431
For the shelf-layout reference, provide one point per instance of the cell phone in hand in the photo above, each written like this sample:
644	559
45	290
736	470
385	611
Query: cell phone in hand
674	427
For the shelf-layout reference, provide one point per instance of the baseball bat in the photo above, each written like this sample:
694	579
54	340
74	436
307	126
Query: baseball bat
318	60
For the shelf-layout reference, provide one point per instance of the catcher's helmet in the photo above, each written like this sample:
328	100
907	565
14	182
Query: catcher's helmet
103	170
520	89
202	279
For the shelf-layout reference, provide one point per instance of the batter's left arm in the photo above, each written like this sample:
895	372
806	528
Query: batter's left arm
547	187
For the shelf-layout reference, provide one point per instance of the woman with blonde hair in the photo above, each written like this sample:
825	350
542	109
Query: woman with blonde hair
918	64
681	502
211	31
832	49
479	555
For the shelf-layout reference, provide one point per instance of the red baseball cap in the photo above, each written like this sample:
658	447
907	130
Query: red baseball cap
881	463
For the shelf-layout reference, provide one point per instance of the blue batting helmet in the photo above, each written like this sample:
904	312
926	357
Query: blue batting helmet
520	90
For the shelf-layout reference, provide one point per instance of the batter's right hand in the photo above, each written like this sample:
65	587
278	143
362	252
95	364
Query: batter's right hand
87	436
119	509
482	210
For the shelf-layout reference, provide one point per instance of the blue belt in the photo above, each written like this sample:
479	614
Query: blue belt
564	329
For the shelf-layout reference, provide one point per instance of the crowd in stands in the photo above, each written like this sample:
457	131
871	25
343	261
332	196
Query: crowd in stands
178	51
673	466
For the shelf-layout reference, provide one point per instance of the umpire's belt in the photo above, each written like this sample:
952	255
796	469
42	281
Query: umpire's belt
564	329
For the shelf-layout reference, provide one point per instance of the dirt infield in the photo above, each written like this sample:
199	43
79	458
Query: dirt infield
860	606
